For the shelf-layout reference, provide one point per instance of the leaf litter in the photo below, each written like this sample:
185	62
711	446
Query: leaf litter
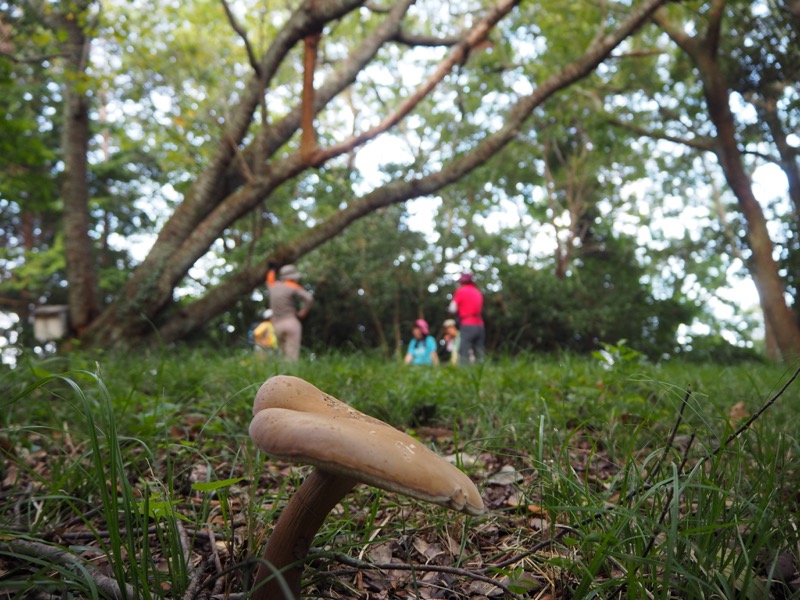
521	548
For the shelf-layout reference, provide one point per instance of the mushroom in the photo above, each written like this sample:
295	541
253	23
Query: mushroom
295	421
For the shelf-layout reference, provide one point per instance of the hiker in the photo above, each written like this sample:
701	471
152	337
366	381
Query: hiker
264	333
467	304
422	347
290	302
448	345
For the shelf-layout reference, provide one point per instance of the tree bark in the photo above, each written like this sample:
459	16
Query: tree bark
308	141
84	303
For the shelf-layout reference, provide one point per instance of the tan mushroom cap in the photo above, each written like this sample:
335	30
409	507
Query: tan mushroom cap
295	421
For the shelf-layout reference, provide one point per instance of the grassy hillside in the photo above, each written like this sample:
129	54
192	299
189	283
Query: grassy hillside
134	476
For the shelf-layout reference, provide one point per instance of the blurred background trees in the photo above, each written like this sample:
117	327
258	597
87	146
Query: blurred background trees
150	168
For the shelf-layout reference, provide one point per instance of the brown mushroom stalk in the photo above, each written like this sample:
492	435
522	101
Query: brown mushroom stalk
295	530
295	421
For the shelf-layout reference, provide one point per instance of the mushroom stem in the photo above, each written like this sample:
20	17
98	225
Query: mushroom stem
295	530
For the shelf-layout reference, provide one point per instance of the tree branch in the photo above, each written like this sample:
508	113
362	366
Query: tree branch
400	190
680	37
714	26
429	41
340	79
104	583
243	35
699	143
459	53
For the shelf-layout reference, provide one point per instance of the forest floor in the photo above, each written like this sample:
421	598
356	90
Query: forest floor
601	477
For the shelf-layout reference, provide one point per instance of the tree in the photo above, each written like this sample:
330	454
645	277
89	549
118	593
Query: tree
729	54
256	159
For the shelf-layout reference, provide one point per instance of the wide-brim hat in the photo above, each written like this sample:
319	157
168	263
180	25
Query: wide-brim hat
465	278
423	326
449	323
289	272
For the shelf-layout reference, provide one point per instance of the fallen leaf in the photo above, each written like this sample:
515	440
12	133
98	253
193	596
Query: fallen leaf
505	476
738	412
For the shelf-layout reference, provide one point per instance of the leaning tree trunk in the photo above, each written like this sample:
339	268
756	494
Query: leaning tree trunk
207	210
80	266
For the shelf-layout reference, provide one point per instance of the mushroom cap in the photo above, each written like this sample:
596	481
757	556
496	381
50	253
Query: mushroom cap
295	421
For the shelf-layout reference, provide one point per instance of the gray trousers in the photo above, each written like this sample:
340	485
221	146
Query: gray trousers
473	338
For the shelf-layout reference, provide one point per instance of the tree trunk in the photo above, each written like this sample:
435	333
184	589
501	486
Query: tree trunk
84	303
771	289
788	154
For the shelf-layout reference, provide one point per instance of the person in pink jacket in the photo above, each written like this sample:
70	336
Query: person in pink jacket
467	304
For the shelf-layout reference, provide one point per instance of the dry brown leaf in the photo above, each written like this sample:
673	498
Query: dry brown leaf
507	475
429	551
738	412
380	553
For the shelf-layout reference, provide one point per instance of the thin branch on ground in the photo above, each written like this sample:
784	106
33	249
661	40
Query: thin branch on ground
106	584
670	441
196	582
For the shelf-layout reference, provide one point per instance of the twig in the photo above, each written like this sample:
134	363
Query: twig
197	578
746	425
664	510
641	488
671	439
212	540
247	566
242	34
186	546
36	550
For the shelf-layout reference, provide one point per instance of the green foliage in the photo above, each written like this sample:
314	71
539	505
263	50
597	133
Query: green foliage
164	83
605	300
370	284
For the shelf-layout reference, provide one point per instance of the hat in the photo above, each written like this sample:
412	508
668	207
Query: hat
267	314
289	272
423	326
465	278
449	323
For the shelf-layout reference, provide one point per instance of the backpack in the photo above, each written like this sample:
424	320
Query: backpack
264	335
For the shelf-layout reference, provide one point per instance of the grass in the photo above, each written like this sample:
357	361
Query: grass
135	477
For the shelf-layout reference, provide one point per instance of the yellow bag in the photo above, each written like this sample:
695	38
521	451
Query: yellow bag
264	335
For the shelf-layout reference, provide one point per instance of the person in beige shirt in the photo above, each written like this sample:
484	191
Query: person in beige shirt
290	302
